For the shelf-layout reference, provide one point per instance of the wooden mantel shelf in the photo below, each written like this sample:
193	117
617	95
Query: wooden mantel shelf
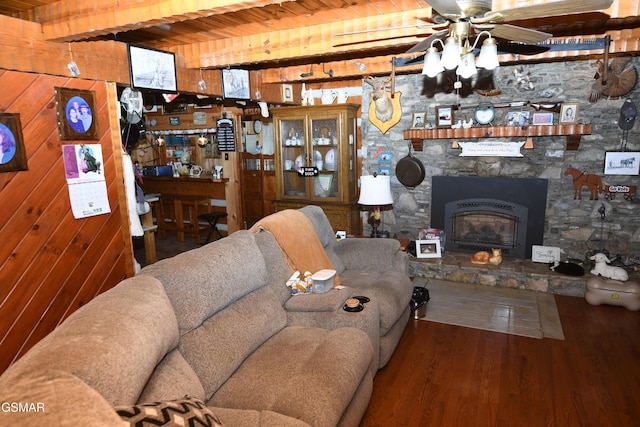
572	132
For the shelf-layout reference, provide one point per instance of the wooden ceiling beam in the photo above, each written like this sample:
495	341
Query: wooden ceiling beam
72	20
349	36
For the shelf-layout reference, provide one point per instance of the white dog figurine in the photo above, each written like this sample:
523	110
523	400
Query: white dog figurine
603	268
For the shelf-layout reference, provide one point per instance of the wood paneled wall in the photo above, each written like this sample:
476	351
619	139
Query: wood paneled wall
50	263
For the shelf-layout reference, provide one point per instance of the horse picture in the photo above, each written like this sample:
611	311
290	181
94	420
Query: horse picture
582	179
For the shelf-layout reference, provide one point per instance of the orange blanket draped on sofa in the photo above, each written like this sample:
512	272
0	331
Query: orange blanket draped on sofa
298	241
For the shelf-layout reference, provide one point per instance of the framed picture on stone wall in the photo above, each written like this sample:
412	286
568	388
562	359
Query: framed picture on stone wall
622	163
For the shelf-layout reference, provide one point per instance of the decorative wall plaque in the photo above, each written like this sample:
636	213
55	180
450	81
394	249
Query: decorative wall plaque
491	148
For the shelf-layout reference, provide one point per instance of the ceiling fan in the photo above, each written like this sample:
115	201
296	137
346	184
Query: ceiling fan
466	19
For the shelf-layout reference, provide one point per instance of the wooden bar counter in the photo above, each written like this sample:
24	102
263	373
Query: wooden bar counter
188	187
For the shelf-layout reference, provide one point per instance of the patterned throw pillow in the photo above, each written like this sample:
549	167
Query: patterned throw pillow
189	411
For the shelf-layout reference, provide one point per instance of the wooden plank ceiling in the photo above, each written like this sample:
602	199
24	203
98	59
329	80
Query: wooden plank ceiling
285	37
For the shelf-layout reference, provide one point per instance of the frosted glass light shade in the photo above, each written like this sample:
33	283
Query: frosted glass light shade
468	66
432	65
488	58
375	190
451	54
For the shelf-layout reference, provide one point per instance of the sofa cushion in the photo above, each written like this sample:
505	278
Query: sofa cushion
277	268
224	341
325	233
188	411
172	379
307	373
203	281
249	418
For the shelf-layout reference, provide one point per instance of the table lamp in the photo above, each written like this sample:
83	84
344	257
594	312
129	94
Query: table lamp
375	191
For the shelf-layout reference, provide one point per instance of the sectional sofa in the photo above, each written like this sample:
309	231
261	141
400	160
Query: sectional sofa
214	335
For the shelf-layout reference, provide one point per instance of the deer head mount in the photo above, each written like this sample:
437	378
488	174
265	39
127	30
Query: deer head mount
385	110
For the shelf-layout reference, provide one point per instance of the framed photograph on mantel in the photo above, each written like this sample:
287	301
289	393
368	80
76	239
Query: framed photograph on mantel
444	116
235	84
569	113
13	156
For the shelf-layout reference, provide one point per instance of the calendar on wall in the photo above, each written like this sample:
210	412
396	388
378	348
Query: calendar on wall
83	166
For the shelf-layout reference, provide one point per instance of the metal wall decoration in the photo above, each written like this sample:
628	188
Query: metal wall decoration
13	156
77	115
583	179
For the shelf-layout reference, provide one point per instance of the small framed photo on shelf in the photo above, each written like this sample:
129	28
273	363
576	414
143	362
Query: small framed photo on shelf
569	113
542	119
517	118
444	116
622	163
419	120
428	249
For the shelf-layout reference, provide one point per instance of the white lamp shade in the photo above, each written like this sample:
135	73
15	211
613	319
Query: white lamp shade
488	58
451	54
375	190
432	65
468	66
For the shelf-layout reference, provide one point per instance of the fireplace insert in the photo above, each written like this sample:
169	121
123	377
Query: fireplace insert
479	213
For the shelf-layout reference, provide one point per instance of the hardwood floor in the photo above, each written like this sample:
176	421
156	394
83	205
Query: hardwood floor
442	375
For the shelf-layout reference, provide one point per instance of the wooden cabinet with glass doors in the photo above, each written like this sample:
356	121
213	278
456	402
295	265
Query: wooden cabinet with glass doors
316	161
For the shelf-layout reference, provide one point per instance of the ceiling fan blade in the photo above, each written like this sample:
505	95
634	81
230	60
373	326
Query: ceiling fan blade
445	8
519	34
556	8
426	43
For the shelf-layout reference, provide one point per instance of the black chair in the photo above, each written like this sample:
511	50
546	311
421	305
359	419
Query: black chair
212	218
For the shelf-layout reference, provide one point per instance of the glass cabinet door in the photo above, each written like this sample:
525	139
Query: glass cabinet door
294	156
325	134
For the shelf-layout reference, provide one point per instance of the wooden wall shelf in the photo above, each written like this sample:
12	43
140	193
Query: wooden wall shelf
572	132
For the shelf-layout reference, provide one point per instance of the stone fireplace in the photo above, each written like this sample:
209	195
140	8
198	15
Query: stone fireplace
479	213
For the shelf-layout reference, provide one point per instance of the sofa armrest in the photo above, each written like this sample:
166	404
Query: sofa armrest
329	301
372	254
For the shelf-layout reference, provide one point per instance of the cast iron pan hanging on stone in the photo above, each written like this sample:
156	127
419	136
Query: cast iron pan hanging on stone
410	170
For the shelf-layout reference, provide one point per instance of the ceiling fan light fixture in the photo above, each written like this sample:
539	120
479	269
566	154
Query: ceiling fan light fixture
451	54
488	58
467	68
432	65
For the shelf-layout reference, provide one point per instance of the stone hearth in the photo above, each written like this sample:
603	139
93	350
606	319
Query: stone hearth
512	273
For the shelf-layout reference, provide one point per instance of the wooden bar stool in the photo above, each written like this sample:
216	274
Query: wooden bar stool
165	215
192	225
150	228
212	218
